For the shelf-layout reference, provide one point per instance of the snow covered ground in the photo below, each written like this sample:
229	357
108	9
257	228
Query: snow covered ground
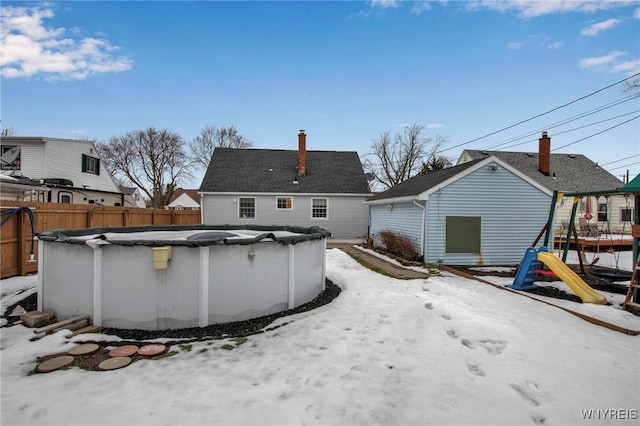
441	351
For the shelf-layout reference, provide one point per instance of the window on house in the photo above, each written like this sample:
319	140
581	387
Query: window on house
90	164
246	208
284	203
602	212
463	234
626	214
178	208
10	157
65	197
319	208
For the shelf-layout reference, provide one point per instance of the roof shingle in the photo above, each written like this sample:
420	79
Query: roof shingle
266	170
418	184
567	172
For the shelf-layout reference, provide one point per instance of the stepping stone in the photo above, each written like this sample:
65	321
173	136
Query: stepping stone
152	350
114	363
124	351
54	363
86	349
87	329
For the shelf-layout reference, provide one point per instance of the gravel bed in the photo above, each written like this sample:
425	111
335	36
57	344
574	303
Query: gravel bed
214	331
597	283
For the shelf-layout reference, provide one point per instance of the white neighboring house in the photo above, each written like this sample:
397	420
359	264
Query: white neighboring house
133	197
185	199
69	169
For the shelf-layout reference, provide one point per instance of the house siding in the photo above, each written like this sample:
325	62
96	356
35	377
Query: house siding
64	160
402	218
52	158
512	213
615	204
347	215
185	201
32	159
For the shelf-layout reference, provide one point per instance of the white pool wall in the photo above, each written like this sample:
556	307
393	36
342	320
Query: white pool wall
117	286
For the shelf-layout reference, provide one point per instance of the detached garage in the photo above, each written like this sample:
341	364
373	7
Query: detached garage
483	212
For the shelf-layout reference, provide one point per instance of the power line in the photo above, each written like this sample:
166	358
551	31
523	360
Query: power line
622	167
576	128
541	114
622	159
595	134
565	121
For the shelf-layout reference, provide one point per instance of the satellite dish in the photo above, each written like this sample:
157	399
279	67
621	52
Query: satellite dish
9	158
370	176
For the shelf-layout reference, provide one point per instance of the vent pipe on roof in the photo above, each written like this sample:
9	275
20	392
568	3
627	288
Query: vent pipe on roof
544	154
302	153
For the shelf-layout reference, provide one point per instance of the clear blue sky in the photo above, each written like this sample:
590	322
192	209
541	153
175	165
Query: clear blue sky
343	71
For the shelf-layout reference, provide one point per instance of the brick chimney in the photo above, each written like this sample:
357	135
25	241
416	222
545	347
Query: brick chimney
302	153
544	154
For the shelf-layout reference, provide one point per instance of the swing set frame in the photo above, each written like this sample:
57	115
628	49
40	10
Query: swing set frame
572	235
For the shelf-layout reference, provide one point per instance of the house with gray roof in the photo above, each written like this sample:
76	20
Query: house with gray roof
570	173
287	187
482	212
486	210
559	172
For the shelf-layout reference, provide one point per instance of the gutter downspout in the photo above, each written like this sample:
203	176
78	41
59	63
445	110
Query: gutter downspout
201	209
424	213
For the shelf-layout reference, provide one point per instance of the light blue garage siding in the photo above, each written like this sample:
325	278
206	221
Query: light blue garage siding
347	215
512	213
402	218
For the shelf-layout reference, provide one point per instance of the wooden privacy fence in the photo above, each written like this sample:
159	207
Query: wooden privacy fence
15	233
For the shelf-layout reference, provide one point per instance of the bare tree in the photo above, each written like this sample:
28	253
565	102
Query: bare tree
400	156
7	132
210	138
435	162
153	160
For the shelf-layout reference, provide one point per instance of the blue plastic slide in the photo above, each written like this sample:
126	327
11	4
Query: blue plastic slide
526	273
532	263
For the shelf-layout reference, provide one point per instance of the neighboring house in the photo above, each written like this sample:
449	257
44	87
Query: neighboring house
488	208
71	170
287	187
133	197
483	212
569	173
185	199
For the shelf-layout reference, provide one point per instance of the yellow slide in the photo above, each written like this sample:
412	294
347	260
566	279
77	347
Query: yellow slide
575	283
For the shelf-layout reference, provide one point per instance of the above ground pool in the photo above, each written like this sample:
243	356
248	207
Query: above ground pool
159	278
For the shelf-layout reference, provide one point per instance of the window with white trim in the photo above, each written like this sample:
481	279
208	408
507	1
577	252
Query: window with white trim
246	208
319	208
626	214
284	203
603	214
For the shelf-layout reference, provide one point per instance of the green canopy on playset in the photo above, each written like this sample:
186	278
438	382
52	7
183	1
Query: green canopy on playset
633	186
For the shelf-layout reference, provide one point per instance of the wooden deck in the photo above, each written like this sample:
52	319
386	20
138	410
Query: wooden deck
605	242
